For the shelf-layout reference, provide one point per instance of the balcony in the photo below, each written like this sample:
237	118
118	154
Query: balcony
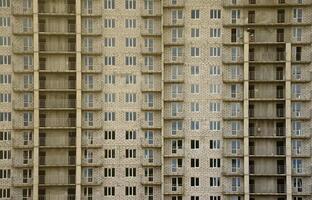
264	3
57	49
51	196
93	49
154	10
259	170
22	181
57	85
57	141
260	152
169	22
46	161
95	180
63	9
20	105
18	9
269	57
278	189
151	143
57	103
57	180
151	161
61	29
96	10
174	4
151	50
173	190
151	180
57	122
266	132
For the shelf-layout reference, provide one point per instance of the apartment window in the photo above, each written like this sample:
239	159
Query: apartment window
195	32
176	53
215	14
130	42
214	181
175	127
130	23
214	144
235	127
297	184
149	118
251	16
235	165
88	118
5	116
5	3
5	41
130	116
5	173
215	32
109	23
235	184
297	128
109	60
235	145
195	88
297	146
252	1
176	15
194	70
5	97
194	51
296	90
216	198
130	4
235	15
215	125
109	135
298	14
234	90
5	154
27	61
110	79
130	79
194	162
194	125
280	16
215	51
109	4
130	172
214	89
235	53
235	109
5	192
194	197
130	60
130	98
109	153
214	107
194	144
176	34
5	135
194	181
130	191
109	116
215	163
109	97
297	34
109	42
130	135
5	22
297	165
194	14
296	72
109	191
5	59
130	153
194	107
214	70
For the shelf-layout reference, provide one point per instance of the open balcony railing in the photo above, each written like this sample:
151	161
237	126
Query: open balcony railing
57	122
64	9
61	84
56	196
280	150
57	179
70	47
57	103
60	28
45	160
57	142
266	57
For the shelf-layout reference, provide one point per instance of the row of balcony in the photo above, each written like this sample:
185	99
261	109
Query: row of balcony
56	86
264	3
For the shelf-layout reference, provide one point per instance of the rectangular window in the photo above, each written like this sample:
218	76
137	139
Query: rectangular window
130	23
109	60
109	23
109	42
215	125
214	181
194	51
215	32
215	51
109	4
5	59
5	3
5	40
194	14
5	135
109	135
195	32
130	4
109	116
5	21
215	14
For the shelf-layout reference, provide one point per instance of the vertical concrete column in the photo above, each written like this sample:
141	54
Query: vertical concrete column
36	101
162	103
78	99
288	120
246	115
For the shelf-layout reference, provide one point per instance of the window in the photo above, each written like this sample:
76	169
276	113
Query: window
194	107
130	60
297	128
235	16
130	4
215	125
216	198
215	32
215	70
109	97
235	127
195	88
130	153
176	15
109	116
194	162
195	32
5	22
109	60
109	42
5	97
130	172
236	184
215	162
109	153
194	70
176	53
5	135
109	191
109	4
251	16
5	59
235	145
194	51
130	79
5	154
214	144
109	135
5	116
194	125
297	34
130	191
235	165
215	51
130	42
298	14
130	135
297	184
130	116
194	144
214	181
214	107
194	197
109	23
214	89
5	192
176	34
5	41
130	23
215	14
5	3
296	90
194	14
109	79
5	173
235	54
194	181
297	165
130	98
